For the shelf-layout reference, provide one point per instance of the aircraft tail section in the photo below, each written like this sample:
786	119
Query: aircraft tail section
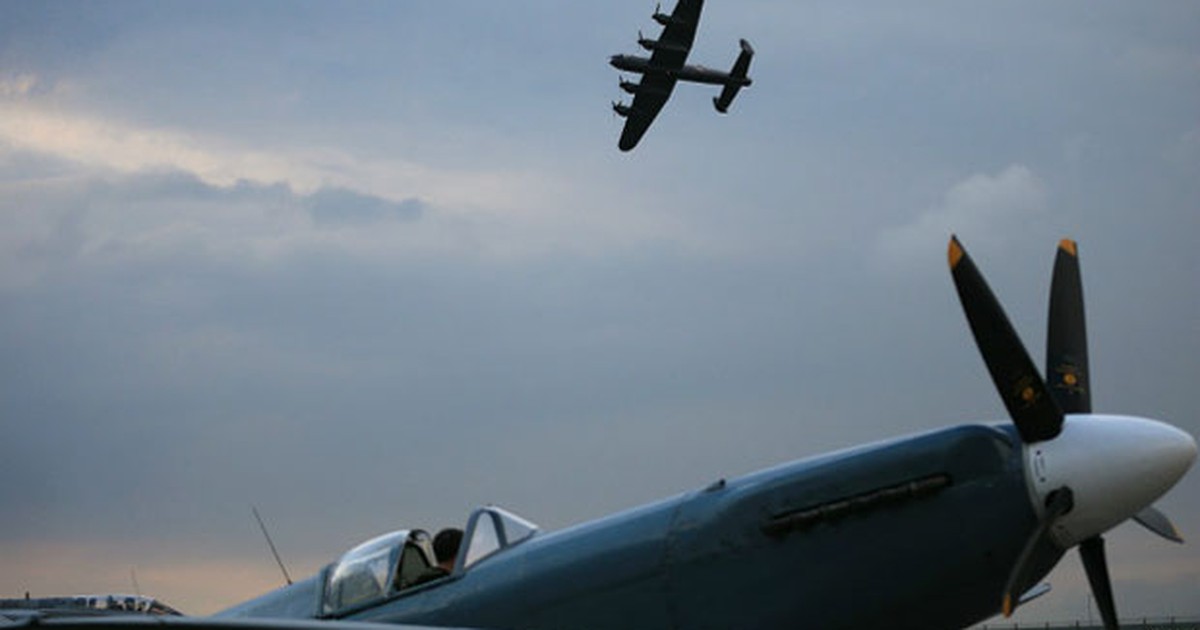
737	78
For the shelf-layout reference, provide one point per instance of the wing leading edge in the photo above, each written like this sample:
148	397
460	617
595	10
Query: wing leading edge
652	95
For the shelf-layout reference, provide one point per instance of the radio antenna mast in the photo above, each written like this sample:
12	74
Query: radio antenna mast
271	545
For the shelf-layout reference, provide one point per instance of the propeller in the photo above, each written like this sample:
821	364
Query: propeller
1067	369
1157	522
1096	567
1067	360
1058	503
648	44
1024	393
1038	407
619	108
1066	337
660	17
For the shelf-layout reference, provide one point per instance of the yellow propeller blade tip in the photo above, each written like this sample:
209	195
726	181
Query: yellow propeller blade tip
956	252
1008	607
1068	246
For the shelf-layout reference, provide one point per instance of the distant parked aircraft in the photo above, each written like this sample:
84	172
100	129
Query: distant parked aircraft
86	606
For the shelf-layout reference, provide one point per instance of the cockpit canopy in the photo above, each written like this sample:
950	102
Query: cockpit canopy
386	565
376	568
490	530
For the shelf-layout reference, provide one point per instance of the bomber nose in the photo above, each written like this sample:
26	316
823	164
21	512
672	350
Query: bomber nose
1115	466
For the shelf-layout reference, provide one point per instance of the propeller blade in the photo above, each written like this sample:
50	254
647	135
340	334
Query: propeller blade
1066	339
1092	552
1159	523
1034	593
1022	389
1058	503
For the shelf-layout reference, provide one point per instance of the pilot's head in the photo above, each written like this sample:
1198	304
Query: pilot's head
445	547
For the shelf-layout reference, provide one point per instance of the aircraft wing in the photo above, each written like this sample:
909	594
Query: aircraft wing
653	92
670	54
678	35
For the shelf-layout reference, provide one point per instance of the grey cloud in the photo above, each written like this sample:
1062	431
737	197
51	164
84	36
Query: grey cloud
1002	207
333	206
57	212
24	166
327	205
169	185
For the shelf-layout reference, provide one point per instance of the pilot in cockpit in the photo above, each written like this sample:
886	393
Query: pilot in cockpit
445	550
445	547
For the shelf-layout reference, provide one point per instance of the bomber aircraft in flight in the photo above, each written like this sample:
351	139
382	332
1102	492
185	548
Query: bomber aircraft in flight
666	65
939	530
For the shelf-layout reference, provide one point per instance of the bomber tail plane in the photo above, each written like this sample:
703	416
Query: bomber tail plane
738	74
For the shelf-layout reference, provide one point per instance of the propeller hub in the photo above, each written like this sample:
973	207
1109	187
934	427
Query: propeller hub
1115	467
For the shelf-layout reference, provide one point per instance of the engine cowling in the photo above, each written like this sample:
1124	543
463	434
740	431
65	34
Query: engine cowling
654	44
664	18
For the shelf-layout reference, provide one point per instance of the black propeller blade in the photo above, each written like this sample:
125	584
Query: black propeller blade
1092	552
1066	338
1067	373
1058	503
1022	389
1067	358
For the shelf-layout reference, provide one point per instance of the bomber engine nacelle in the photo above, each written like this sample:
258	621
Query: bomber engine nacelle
629	86
621	109
654	44
663	18
646	42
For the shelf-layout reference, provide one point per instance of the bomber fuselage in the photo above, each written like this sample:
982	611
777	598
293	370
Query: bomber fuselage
691	73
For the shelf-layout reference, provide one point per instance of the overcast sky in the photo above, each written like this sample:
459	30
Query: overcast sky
368	266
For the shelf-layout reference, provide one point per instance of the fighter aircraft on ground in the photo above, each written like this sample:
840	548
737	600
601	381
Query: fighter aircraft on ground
938	530
666	65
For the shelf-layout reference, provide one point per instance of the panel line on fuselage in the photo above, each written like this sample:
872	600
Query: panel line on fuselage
803	518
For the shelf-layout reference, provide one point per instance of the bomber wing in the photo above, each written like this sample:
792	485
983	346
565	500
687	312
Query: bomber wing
652	93
668	55
678	34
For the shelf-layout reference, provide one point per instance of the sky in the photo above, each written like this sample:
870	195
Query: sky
367	266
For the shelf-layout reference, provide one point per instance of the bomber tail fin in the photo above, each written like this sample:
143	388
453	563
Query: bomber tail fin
737	78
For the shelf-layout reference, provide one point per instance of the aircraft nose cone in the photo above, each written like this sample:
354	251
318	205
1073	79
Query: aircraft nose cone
1115	466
